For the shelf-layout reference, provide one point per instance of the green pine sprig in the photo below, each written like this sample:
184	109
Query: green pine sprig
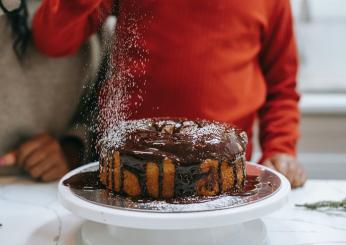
325	205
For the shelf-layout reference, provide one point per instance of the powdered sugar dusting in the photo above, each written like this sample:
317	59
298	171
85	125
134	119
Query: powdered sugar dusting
122	93
199	133
115	137
210	133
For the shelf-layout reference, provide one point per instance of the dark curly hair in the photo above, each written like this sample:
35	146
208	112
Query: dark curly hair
21	33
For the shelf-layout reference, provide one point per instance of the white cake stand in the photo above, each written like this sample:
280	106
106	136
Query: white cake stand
237	225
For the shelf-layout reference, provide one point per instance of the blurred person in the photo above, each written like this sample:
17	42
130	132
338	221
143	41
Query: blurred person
224	60
39	100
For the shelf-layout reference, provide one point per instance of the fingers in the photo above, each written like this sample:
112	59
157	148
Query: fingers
43	158
300	178
54	173
269	164
50	169
283	167
8	159
279	165
39	169
289	167
40	154
296	173
30	146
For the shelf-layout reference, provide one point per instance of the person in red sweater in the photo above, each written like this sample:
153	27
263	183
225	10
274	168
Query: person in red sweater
223	60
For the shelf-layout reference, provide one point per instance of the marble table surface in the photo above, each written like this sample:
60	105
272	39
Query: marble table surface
30	214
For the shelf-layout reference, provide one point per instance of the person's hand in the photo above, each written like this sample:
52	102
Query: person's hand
43	158
288	166
8	159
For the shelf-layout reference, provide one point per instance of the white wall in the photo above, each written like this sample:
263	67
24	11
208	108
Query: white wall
321	34
322	9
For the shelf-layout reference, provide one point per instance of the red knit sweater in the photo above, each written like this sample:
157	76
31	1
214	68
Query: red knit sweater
225	60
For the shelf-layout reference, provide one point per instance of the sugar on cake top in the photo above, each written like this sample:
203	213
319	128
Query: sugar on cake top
183	141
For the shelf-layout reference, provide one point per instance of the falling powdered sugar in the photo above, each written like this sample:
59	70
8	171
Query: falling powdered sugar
122	92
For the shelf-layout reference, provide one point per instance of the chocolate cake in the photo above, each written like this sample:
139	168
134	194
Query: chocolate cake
169	158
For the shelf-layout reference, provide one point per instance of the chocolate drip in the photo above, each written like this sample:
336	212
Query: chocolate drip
185	176
219	180
185	180
234	169
137	167
85	181
183	141
89	181
107	167
160	179
113	184
121	169
186	143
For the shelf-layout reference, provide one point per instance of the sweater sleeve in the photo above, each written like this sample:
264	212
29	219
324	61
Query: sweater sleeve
61	26
279	115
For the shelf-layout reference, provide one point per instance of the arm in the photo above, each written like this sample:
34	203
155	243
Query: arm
279	116
61	26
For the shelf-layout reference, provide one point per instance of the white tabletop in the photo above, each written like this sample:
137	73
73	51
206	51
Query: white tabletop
30	214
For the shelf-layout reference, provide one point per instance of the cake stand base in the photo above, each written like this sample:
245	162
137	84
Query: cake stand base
250	233
119	224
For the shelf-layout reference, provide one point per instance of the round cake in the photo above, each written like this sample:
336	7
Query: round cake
170	158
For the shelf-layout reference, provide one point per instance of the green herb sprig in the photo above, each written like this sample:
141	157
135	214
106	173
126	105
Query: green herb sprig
325	205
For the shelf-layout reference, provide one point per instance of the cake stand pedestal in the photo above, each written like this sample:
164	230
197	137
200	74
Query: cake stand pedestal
249	233
120	226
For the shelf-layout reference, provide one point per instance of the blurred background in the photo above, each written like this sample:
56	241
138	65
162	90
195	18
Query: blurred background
321	35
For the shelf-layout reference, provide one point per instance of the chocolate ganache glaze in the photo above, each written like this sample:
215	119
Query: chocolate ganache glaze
165	158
